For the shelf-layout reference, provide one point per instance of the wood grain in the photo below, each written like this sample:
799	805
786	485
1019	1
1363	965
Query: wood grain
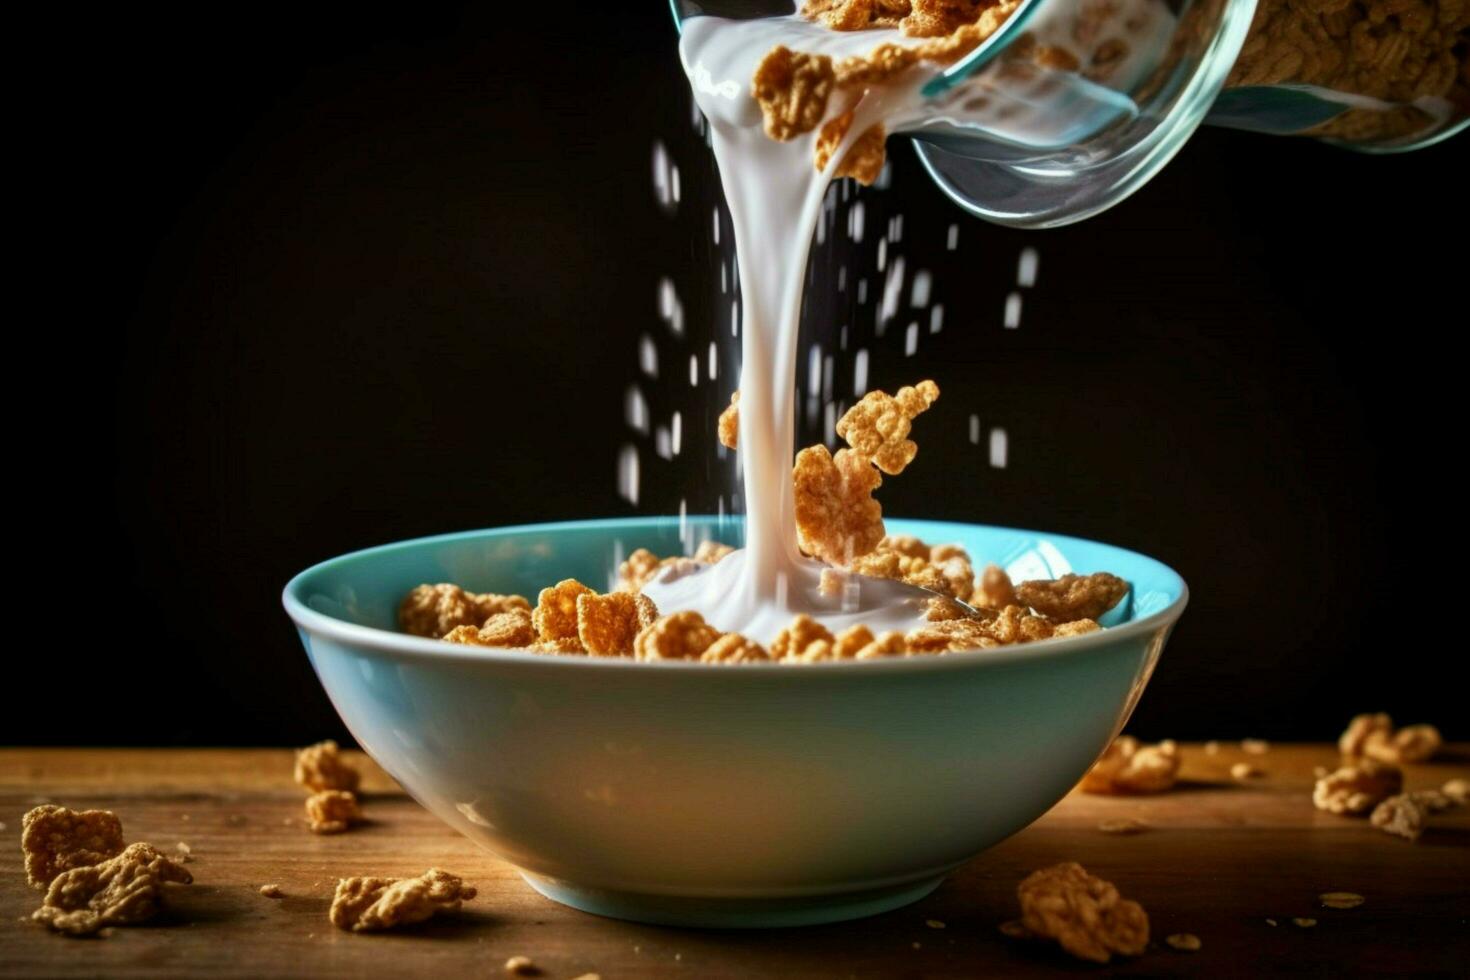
1219	859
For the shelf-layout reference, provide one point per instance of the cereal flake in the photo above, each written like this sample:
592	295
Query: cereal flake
322	767
123	890
1073	597
55	839
555	615
681	636
332	811
1083	913
1357	788
1127	766
878	426
372	904
608	624
837	518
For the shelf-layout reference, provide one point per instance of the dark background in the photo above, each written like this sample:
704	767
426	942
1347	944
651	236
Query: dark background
315	278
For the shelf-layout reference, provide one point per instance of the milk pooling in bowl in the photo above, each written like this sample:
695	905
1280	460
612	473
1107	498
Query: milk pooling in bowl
775	197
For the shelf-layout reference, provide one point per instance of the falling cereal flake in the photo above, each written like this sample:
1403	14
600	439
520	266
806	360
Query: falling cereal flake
1013	311
628	474
662	443
647	356
975	430
860	373
676	432
919	291
635	410
911	339
952	239
936	318
1026	267
998	448
1185	942
714	361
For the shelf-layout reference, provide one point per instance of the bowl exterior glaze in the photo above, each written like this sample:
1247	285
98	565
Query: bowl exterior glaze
736	796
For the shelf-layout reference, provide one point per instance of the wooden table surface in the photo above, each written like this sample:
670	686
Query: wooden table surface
1219	860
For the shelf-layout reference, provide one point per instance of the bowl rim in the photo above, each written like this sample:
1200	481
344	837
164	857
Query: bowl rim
406	647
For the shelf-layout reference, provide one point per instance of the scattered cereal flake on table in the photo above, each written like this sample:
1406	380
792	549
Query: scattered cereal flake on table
1083	913
1304	923
1357	788
1255	746
1123	825
934	923
1433	800
321	767
1185	942
878	426
123	890
1130	767
370	904
521	966
186	853
1353	740
589	976
1457	790
272	891
1073	597
1212	747
55	839
1270	922
1243	771
1415	743
332	811
1401	815
1341	900
1015	929
729	424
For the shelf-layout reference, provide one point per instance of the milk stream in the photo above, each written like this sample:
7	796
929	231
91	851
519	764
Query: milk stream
775	200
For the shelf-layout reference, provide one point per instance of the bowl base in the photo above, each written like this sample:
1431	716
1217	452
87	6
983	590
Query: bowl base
732	913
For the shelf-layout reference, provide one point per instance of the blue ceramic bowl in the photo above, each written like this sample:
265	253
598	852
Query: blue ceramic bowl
697	794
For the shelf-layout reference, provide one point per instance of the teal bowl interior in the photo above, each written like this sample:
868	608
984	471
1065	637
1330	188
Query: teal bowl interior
696	794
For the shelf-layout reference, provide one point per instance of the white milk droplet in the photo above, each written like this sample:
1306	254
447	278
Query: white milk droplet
661	446
998	448
860	373
952	239
676	436
1026	267
919	292
628	474
1013	311
714	361
936	318
911	339
635	410
648	356
975	430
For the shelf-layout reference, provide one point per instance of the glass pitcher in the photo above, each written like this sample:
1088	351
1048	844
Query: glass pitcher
1071	105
